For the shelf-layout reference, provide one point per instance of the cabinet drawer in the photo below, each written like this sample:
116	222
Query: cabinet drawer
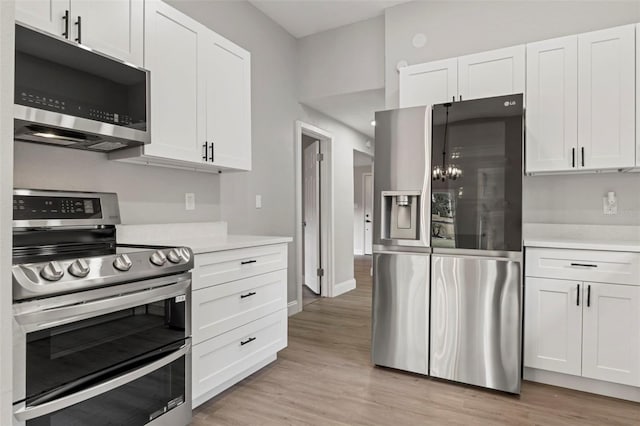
584	265
231	265
222	358
221	308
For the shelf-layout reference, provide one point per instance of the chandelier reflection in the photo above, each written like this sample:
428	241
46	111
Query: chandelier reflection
444	171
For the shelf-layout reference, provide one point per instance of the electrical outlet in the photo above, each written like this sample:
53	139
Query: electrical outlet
258	201
189	201
610	205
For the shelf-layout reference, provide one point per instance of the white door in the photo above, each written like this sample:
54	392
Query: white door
552	105
368	212
228	100
553	325
428	84
606	98
46	15
311	175
494	73
113	27
171	55
611	341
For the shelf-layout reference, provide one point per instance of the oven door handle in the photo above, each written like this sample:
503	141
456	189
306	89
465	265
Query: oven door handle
28	413
47	318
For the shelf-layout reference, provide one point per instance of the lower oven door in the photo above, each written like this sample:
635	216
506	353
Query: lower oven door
112	356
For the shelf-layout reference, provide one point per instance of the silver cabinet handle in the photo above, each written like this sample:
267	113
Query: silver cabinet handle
28	413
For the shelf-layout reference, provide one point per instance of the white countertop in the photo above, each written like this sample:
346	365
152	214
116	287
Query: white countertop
582	237
200	237
583	244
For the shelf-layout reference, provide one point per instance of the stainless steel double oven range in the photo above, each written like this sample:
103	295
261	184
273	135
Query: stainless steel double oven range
102	332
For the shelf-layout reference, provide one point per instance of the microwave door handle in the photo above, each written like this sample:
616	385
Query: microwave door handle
48	318
28	413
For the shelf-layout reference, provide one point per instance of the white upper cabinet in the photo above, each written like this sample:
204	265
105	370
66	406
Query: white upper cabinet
606	95
638	96
228	102
171	56
494	73
112	27
611	338
46	15
553	325
428	84
552	105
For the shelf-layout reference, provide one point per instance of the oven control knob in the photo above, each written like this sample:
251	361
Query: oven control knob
175	255
186	253
122	263
79	268
52	271
158	258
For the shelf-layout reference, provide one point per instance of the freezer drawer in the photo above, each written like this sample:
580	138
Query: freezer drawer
476	321
401	311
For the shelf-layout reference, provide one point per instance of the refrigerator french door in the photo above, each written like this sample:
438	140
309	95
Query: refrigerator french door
401	238
476	237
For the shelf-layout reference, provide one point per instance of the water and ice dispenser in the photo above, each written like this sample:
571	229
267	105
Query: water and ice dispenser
400	215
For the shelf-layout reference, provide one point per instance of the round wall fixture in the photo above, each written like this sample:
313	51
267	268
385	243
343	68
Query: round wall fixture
419	40
401	64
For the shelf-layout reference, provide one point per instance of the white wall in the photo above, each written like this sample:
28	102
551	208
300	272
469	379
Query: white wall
343	60
147	194
455	28
345	140
358	208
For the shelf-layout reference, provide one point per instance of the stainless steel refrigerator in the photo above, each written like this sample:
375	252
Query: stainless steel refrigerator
448	294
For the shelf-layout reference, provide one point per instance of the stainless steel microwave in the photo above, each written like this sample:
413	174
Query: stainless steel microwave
70	95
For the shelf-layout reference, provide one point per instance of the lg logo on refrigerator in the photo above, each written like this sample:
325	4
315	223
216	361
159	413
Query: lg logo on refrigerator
509	103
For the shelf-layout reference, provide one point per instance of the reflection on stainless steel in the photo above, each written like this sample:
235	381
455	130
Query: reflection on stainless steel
476	321
400	305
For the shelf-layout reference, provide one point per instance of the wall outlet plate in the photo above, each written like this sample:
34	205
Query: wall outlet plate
609	208
258	201
189	201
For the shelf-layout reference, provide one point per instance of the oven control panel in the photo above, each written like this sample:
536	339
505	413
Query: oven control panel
28	207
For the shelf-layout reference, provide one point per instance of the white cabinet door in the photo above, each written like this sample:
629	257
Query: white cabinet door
638	95
611	341
171	55
428	84
606	98
113	27
46	15
494	73
553	325
228	102
552	105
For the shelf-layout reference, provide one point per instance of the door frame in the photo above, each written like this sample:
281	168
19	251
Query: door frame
364	211
327	233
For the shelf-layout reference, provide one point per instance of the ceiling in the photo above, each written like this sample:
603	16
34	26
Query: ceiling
356	110
301	18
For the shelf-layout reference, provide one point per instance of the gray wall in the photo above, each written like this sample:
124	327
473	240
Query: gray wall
147	194
344	60
457	28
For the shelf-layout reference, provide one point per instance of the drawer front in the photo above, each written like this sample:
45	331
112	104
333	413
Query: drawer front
583	265
231	265
220	359
218	309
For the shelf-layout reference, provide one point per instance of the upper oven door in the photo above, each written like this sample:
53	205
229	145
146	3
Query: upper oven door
68	343
69	95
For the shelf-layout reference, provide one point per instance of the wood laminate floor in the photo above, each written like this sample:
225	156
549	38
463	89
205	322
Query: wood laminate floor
325	377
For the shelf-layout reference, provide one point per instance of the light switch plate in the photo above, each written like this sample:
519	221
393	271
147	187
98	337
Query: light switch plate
189	201
258	201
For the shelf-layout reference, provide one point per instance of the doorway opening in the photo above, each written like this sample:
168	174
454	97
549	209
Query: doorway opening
314	225
362	204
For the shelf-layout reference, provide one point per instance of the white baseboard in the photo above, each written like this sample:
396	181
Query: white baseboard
293	308
583	384
344	287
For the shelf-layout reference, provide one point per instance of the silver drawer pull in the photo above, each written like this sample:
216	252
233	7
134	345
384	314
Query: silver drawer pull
249	340
584	265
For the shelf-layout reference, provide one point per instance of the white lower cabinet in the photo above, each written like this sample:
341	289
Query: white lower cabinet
578	327
239	315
